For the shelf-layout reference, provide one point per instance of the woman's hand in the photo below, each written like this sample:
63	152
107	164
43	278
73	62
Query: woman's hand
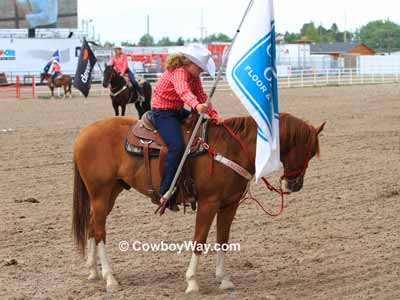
202	108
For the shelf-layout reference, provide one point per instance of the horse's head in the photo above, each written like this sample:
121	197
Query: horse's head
43	76
299	144
108	74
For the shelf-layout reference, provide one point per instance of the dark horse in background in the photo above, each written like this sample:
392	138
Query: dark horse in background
121	94
64	81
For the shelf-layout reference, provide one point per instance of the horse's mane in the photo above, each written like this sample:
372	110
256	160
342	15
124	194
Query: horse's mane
294	129
240	124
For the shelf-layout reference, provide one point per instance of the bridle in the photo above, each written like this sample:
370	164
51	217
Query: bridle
308	151
297	173
119	90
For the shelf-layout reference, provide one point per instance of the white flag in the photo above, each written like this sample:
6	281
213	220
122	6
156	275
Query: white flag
251	73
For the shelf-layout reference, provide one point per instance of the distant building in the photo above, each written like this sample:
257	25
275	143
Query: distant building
337	49
348	51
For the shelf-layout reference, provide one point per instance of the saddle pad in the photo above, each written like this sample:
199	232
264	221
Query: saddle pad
132	142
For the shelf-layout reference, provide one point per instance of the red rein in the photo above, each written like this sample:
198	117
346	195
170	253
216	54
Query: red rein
248	195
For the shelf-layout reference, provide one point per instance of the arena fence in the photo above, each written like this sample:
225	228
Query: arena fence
20	87
291	79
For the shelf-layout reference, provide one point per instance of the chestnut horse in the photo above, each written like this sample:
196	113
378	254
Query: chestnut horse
64	81
121	95
103	169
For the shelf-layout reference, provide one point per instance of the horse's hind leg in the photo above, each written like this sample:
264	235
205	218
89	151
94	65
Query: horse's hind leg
224	221
100	209
65	92
139	109
91	262
123	108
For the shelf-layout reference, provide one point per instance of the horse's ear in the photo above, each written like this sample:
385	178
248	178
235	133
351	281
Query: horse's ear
320	127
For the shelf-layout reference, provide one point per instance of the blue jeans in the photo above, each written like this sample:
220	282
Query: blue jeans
168	122
134	82
54	75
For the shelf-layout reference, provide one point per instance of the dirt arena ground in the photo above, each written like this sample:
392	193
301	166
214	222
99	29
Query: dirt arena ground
338	238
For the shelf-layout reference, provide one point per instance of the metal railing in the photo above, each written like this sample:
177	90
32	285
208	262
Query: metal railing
336	77
292	79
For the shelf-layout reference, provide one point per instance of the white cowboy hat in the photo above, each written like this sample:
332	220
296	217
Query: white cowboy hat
200	56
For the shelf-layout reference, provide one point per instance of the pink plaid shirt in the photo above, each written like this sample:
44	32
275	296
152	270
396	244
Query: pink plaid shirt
120	63
176	88
56	68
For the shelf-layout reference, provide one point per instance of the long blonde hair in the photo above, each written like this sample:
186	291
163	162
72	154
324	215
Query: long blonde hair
175	61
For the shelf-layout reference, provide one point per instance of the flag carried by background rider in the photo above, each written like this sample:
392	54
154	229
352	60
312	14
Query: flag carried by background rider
83	75
251	73
55	57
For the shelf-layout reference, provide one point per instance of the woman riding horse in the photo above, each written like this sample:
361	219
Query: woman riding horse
120	63
180	85
55	70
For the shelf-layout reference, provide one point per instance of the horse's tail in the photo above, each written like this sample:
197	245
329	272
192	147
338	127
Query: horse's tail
81	211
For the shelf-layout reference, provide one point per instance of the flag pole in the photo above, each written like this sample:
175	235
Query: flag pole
172	188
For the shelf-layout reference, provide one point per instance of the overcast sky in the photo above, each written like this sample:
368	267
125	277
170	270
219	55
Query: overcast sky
121	20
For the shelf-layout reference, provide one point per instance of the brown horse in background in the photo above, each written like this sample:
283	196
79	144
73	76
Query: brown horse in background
64	81
102	165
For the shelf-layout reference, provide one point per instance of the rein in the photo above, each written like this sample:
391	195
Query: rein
112	93
248	195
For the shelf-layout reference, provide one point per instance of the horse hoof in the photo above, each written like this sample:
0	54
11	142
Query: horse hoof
227	285
192	288
113	286
93	276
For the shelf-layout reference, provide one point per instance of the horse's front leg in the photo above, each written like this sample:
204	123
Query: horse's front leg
52	92
115	106
204	218
224	221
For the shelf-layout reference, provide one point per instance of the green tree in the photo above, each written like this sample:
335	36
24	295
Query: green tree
291	38
108	44
165	41
220	37
146	40
309	31
128	44
381	35
180	42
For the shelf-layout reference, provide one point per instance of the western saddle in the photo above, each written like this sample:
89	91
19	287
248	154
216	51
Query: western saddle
144	140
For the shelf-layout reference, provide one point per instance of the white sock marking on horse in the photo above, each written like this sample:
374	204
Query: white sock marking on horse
192	287
220	273
91	262
105	268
